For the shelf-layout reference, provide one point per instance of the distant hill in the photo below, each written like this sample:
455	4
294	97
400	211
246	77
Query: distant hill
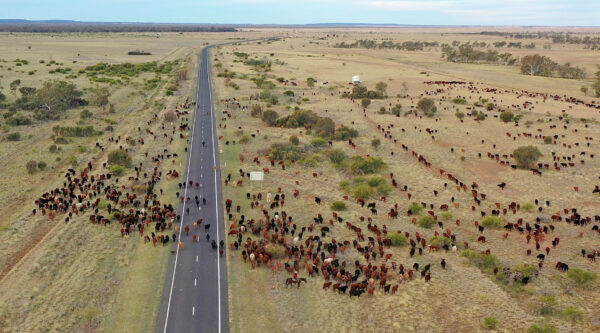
20	25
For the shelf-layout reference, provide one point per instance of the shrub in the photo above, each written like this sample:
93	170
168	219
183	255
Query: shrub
344	133
245	138
548	140
582	277
483	261
318	142
16	136
19	121
53	149
170	116
447	216
310	82
415	208
117	170
426	222
459	100
59	140
276	251
338	206
526	156
324	127
545	328
365	102
397	239
493	222
440	240
337	156
361	165
294	140
427	106
31	167
527	207
384	189
119	157
270	117
574	314
547	305
459	115
289	93
375	143
381	110
376	181
256	111
527	270
490	323
282	152
42	165
345	185
507	116
363	191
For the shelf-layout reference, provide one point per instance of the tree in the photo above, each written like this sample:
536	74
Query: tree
13	86
294	140
99	97
365	102
526	156
537	65
310	82
381	87
31	167
324	127
596	84
375	143
427	106
52	100
359	91
270	117
507	116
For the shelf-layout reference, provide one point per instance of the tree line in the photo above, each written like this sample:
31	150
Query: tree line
372	44
57	27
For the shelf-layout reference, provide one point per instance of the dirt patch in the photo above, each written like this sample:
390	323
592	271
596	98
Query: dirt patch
487	171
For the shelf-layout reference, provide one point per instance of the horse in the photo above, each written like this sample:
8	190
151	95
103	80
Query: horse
290	281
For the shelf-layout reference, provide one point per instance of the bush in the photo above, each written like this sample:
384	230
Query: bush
427	106
31	167
528	207
526	156
361	165
397	239
426	222
325	127
170	116
545	328
375	143
574	314
345	186
16	136
493	222
276	251
363	191
507	116
337	156
282	152
447	216
365	102
490	323
376	181
483	261
344	133
294	140
415	208
459	115
547	306
270	117
59	140
338	206
117	170
19	121
582	277
256	111
459	100
527	270
548	140
245	138
440	240
318	142
119	157
53	149
42	165
384	189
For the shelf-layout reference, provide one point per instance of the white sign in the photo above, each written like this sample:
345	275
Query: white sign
257	175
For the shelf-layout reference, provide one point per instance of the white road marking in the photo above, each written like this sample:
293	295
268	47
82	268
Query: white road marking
212	138
194	282
196	258
193	309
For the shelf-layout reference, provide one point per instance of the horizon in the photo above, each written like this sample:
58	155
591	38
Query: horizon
552	13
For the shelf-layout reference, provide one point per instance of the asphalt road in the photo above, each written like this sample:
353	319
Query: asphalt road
195	294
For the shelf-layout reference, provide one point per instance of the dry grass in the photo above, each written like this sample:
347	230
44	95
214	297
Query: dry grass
462	295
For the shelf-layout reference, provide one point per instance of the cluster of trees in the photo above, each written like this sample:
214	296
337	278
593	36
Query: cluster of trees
539	65
596	84
128	69
138	52
468	53
592	43
372	44
516	45
73	26
52	100
360	91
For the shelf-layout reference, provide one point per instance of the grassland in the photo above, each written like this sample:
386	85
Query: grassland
461	296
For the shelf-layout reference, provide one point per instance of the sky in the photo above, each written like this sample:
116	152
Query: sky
417	12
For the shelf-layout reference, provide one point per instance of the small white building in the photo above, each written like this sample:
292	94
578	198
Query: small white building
356	80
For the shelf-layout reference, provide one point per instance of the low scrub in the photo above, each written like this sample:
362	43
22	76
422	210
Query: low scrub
483	261
285	152
366	165
415	208
117	170
338	206
492	222
119	157
426	222
397	239
490	323
582	277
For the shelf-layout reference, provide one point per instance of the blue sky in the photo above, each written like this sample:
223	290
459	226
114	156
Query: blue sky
427	12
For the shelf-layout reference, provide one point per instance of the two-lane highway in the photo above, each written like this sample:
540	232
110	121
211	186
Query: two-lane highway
195	295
